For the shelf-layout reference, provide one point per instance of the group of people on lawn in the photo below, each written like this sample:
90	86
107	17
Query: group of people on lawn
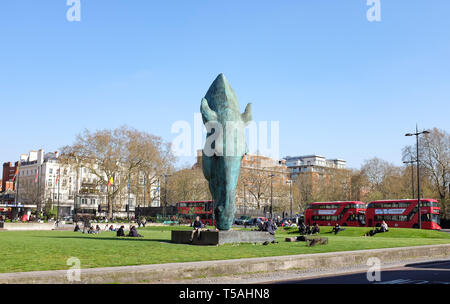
119	231
269	225
306	229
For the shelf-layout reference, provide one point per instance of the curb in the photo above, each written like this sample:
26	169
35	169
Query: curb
177	271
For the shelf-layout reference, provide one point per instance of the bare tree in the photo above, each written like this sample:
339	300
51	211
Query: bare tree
281	197
434	155
257	183
188	184
383	179
304	190
114	156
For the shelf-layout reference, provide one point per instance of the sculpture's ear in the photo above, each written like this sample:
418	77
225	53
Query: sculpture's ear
247	115
207	113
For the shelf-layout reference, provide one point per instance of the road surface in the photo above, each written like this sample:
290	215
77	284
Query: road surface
436	272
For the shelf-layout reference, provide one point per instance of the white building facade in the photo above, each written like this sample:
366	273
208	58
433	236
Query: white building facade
312	163
44	180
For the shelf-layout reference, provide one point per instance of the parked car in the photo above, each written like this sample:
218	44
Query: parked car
242	220
286	220
254	221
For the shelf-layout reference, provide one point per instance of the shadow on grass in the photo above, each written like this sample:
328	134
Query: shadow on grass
108	239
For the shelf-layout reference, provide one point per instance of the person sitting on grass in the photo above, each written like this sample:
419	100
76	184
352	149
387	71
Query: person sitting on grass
77	228
98	229
260	225
383	228
308	229
337	228
316	229
197	225
111	228
133	232
302	228
270	227
120	231
91	230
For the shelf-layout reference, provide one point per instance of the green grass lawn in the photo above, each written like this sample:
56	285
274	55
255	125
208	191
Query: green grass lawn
48	250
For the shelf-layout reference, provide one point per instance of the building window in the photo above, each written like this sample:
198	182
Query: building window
92	201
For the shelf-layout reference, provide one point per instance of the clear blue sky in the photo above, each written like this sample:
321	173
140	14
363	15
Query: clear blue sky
340	86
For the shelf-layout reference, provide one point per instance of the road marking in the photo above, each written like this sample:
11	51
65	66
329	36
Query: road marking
398	281
405	281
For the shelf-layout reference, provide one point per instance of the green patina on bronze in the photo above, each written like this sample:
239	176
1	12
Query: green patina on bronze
222	169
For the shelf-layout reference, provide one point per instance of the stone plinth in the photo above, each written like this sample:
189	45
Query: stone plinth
221	237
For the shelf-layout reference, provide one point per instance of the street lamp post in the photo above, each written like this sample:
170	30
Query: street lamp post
58	182
145	190
129	197
245	201
418	172
271	196
411	162
290	194
165	194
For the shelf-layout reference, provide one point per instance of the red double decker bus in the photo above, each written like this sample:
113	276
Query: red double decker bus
350	213
403	213
188	210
